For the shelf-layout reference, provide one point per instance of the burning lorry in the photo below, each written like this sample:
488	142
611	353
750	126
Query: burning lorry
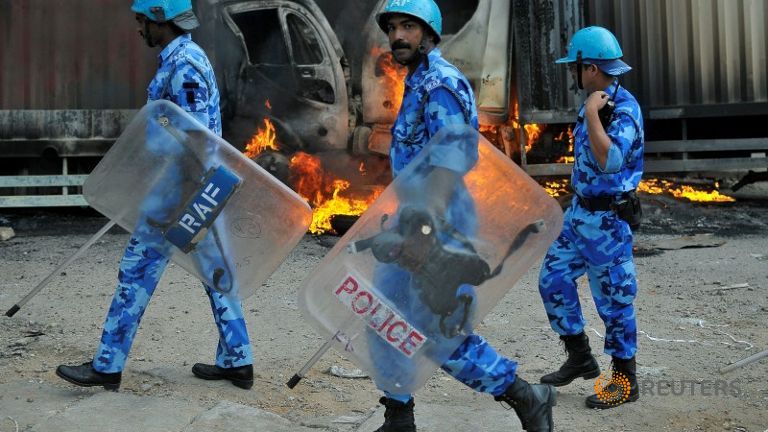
310	90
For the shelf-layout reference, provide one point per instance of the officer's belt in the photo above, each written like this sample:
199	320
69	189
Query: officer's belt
593	204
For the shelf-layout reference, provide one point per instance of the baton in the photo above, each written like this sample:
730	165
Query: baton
744	362
301	373
12	311
327	345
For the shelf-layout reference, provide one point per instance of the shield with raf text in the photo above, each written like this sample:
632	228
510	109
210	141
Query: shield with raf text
189	194
429	259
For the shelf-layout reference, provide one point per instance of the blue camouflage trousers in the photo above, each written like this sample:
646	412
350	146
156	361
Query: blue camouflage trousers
600	245
475	363
140	270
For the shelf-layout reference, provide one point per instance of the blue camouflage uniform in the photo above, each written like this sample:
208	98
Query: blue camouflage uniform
186	78
437	94
598	243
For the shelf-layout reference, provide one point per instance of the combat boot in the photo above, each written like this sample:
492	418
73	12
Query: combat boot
620	389
85	375
398	416
533	404
580	362
239	376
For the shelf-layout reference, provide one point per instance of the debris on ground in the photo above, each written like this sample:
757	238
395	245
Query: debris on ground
682	242
6	233
343	372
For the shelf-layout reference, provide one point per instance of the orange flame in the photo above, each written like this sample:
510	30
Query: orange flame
391	78
533	132
569	157
325	193
691	193
556	188
265	139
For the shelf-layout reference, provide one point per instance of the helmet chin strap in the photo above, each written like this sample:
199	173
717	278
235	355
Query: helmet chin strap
147	37
423	51
579	65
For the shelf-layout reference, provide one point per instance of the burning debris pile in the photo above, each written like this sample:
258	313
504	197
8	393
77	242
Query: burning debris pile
330	195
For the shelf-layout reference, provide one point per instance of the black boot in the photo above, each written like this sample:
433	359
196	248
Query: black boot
85	375
398	416
240	376
533	404
620	389
580	362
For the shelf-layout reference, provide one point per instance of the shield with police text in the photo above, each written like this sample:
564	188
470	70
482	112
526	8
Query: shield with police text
456	229
190	195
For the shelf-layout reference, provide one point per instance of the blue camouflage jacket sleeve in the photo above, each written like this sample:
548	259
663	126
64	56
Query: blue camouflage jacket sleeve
444	109
623	133
189	90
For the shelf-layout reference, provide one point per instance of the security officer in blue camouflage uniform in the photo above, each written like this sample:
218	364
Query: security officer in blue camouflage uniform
185	77
436	95
597	233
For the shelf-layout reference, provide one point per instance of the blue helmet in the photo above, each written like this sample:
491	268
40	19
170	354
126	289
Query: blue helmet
598	46
426	11
178	11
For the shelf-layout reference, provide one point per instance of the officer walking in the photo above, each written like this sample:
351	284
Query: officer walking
438	95
185	77
597	232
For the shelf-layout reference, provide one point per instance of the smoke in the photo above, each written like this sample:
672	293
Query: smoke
349	20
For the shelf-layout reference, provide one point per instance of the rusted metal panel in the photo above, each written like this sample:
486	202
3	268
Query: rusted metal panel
690	52
72	54
541	29
65	123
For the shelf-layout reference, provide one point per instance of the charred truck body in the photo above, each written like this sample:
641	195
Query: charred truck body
321	72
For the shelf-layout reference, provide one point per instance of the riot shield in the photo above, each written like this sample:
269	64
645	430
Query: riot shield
430	258
193	197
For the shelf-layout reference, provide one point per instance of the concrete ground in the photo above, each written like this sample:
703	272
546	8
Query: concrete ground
699	309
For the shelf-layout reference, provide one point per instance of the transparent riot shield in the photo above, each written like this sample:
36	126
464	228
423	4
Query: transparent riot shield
430	258
193	197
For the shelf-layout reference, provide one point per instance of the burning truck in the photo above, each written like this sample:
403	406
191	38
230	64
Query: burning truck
309	89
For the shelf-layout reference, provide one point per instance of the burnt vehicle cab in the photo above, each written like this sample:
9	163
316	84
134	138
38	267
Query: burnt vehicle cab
278	60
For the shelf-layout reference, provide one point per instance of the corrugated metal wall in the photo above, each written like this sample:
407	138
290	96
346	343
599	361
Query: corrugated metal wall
72	54
541	29
688	52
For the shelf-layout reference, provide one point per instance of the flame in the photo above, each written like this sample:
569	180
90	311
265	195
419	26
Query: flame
268	105
391	78
325	193
557	188
488	129
691	193
568	158
533	132
265	139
